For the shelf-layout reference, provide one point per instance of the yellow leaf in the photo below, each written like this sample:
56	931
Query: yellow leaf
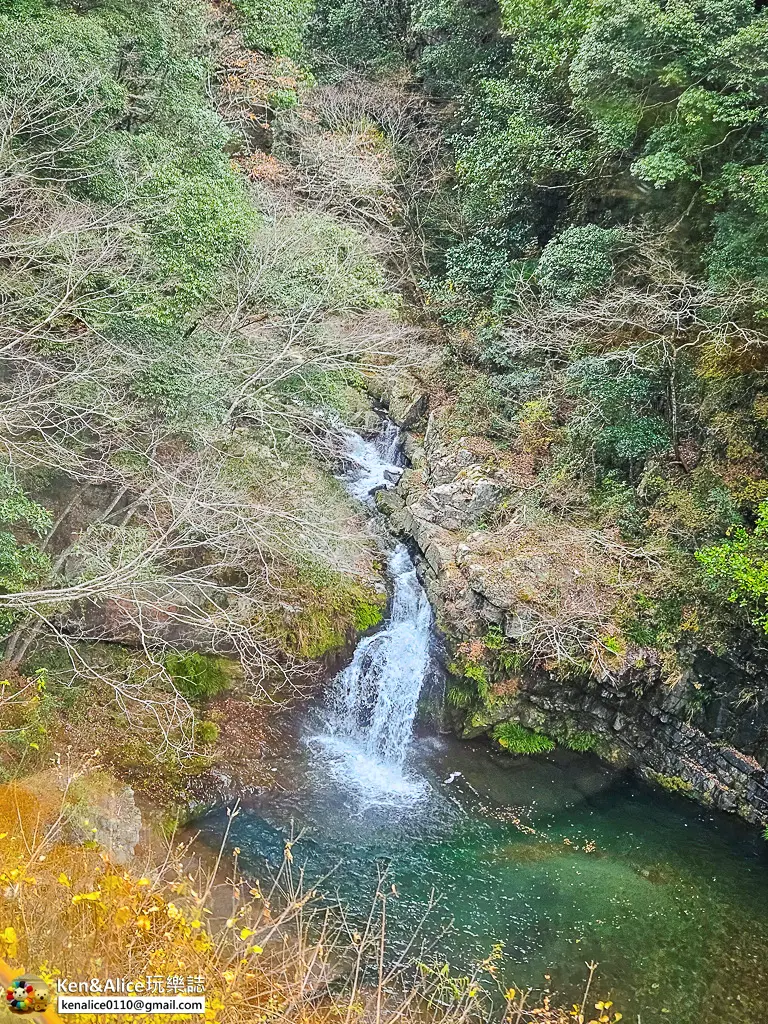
122	916
246	933
255	949
63	880
510	994
92	897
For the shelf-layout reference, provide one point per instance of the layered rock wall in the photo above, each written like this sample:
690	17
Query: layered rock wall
535	581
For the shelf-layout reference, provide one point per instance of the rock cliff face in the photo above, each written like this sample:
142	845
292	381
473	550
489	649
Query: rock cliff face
554	588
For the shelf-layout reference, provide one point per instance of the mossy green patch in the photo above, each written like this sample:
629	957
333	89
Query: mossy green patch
671	783
197	676
328	608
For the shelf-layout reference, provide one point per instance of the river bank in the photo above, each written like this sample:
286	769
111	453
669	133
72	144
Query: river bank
505	587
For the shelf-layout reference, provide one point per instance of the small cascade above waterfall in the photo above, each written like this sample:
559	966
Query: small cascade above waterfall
372	464
390	444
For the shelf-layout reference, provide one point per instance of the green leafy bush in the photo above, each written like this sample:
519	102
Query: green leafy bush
368	35
737	568
577	263
518	740
312	261
275	26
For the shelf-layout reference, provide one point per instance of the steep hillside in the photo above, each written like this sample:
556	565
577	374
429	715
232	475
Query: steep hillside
590	490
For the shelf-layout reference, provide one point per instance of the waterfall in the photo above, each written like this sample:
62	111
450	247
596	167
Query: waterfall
374	700
372	704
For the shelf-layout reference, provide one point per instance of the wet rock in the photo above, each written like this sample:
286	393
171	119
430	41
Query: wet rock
408	402
388	502
438	555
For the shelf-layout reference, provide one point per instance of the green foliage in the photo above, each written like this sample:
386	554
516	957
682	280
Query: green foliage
478	264
16	509
459	697
367	35
654	622
671	783
275	26
494	638
477	673
577	263
312	261
165	775
694	509
126	114
366	615
516	739
197	676
737	568
619	423
582	742
201	217
330	606
22	564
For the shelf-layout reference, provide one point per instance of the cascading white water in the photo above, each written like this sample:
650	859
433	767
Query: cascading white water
372	464
374	700
372	704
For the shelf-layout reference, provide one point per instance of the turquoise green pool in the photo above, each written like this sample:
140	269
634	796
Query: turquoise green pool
558	858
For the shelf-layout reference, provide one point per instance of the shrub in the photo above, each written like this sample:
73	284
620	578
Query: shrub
369	35
275	26
477	264
517	739
737	568
578	263
197	676
311	261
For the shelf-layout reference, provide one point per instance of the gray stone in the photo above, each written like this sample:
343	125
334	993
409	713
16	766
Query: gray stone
388	502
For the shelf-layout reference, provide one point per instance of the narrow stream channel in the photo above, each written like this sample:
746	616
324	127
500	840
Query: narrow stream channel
558	857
